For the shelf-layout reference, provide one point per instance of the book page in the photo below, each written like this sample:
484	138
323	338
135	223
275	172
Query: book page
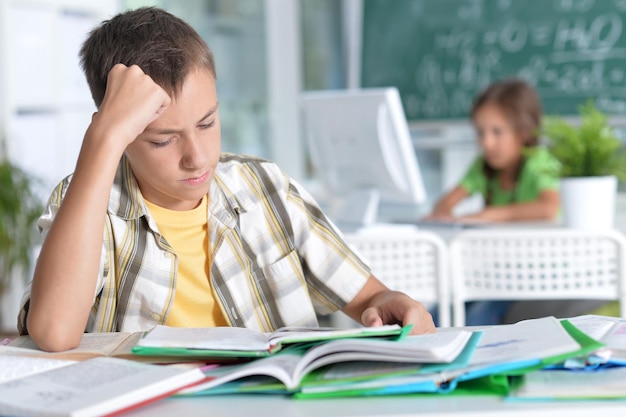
608	383
609	330
361	370
615	339
208	338
312	334
13	365
124	349
441	347
292	364
93	387
91	345
525	340
594	326
280	367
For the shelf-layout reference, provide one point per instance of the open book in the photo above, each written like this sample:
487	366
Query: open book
294	363
600	378
609	330
92	345
94	387
242	342
502	349
15	366
169	344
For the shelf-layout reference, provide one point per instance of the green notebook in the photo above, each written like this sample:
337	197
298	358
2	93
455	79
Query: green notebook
216	342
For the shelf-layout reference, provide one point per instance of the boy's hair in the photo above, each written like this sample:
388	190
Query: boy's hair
162	45
519	102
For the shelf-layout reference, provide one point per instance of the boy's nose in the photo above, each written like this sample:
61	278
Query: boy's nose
194	155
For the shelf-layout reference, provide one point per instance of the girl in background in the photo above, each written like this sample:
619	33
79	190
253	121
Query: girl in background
517	179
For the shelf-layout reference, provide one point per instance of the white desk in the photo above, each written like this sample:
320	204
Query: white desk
279	406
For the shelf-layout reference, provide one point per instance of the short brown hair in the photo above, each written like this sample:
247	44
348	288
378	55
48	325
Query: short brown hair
519	102
165	47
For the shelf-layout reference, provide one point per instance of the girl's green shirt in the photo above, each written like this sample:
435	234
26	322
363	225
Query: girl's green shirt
540	172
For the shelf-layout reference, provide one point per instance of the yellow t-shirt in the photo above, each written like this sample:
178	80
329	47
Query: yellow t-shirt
187	233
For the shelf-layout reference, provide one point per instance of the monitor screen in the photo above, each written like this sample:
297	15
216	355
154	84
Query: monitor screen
361	149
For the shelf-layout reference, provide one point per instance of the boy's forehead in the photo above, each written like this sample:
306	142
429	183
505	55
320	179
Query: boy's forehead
199	77
196	101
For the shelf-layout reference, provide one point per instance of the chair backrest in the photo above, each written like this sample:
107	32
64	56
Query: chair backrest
536	264
408	260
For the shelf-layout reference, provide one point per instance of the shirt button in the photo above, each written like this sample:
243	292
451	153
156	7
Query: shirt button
156	317
168	255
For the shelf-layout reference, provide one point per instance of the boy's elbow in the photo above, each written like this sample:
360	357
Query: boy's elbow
53	338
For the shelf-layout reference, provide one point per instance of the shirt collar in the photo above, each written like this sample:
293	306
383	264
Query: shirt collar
125	200
228	196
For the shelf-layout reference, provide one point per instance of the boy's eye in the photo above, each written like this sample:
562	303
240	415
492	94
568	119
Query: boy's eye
161	144
206	125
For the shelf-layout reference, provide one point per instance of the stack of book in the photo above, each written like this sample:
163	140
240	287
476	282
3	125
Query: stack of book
111	372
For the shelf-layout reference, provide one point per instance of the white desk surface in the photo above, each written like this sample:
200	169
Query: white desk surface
280	406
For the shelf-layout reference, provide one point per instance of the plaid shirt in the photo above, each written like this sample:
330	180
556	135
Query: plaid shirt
277	259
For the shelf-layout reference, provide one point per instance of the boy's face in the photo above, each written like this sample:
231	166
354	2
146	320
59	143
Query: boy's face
500	143
175	157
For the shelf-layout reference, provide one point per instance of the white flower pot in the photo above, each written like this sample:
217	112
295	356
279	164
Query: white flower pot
588	202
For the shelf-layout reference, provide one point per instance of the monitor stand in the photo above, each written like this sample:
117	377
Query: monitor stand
357	209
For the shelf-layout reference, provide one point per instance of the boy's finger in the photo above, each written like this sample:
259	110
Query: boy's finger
371	317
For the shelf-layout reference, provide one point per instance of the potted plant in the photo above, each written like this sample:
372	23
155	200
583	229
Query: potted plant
592	159
20	207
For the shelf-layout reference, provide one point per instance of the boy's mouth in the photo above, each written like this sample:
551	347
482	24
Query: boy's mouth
197	180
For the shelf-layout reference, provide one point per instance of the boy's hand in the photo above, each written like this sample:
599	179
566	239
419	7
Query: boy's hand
391	307
376	305
131	102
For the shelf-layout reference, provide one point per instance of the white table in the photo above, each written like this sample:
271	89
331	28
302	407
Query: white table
279	406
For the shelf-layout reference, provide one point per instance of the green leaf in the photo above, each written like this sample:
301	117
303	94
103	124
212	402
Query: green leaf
591	149
19	209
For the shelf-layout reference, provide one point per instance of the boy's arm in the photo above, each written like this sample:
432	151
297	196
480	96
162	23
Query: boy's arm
376	305
545	207
68	265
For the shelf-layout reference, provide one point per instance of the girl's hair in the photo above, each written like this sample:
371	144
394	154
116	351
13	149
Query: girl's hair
162	45
521	106
519	102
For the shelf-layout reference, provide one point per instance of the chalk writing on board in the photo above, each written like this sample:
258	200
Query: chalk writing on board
571	50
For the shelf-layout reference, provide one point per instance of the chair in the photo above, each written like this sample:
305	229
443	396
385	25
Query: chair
408	260
537	264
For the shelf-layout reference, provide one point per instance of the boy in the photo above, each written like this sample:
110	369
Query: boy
192	237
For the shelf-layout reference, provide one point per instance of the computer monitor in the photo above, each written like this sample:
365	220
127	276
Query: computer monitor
361	149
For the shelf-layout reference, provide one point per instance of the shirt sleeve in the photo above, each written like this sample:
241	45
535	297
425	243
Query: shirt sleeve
544	169
474	180
335	274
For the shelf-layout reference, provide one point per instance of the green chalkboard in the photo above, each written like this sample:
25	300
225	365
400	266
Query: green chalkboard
440	53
